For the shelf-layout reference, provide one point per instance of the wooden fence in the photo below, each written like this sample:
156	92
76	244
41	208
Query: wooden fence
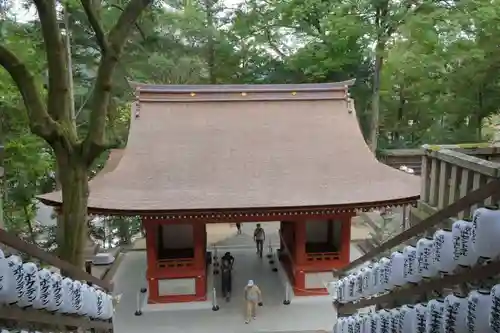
453	185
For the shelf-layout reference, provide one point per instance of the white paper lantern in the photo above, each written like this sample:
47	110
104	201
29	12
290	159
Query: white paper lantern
407	318
16	266
45	293
77	298
396	277
486	232
375	323
495	309
454	314
365	323
351	287
426	269
434	320
387	277
339	293
8	292
31	285
410	272
357	324
109	308
367	282
100	308
55	304
443	251
86	300
384	273
394	321
350	324
67	296
358	285
479	304
384	322
463	253
92	303
337	328
377	286
420	318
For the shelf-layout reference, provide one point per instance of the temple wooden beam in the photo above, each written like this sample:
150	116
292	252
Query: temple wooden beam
44	320
453	209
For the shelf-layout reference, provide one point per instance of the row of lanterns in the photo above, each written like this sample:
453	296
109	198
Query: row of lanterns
463	245
27	286
477	313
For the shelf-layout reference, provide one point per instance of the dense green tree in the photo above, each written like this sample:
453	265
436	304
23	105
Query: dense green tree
53	119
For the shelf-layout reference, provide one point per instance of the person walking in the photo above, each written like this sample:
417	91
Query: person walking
253	298
259	237
227	262
238	228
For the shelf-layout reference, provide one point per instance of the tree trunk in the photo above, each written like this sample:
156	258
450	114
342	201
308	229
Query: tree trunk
374	126
73	221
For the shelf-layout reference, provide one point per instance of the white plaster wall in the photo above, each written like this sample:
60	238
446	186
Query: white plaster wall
317	280
174	287
177	236
316	231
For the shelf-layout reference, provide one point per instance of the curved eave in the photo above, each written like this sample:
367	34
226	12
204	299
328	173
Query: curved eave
232	88
245	213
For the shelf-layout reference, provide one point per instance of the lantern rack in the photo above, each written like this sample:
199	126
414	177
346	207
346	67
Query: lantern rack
17	318
481	271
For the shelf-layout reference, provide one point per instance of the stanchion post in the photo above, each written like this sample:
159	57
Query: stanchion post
215	307
270	250
140	300
286	301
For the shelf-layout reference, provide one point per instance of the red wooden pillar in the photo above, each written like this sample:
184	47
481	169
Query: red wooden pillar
346	238
151	227
199	240
300	257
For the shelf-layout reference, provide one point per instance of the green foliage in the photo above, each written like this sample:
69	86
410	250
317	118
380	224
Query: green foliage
439	79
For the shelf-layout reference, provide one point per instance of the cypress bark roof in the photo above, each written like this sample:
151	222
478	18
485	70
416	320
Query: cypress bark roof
194	148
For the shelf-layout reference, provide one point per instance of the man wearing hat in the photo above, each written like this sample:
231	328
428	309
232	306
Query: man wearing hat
253	297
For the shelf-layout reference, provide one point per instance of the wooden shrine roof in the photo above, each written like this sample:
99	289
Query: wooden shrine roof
246	147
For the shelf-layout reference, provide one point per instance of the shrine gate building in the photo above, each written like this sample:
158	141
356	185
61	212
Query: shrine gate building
243	153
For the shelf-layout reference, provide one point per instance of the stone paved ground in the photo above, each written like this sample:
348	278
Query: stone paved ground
303	315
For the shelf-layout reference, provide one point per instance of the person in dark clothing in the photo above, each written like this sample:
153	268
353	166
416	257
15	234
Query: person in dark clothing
238	228
227	262
259	236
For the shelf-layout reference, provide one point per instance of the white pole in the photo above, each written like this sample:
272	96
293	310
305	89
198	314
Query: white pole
215	307
286	301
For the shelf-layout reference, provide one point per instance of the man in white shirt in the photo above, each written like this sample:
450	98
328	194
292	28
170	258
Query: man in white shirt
253	297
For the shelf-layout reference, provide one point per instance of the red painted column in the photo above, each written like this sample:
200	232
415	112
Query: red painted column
151	236
346	238
199	239
300	253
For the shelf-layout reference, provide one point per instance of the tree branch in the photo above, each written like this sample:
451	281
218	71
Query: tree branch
95	143
137	26
95	23
40	122
57	101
